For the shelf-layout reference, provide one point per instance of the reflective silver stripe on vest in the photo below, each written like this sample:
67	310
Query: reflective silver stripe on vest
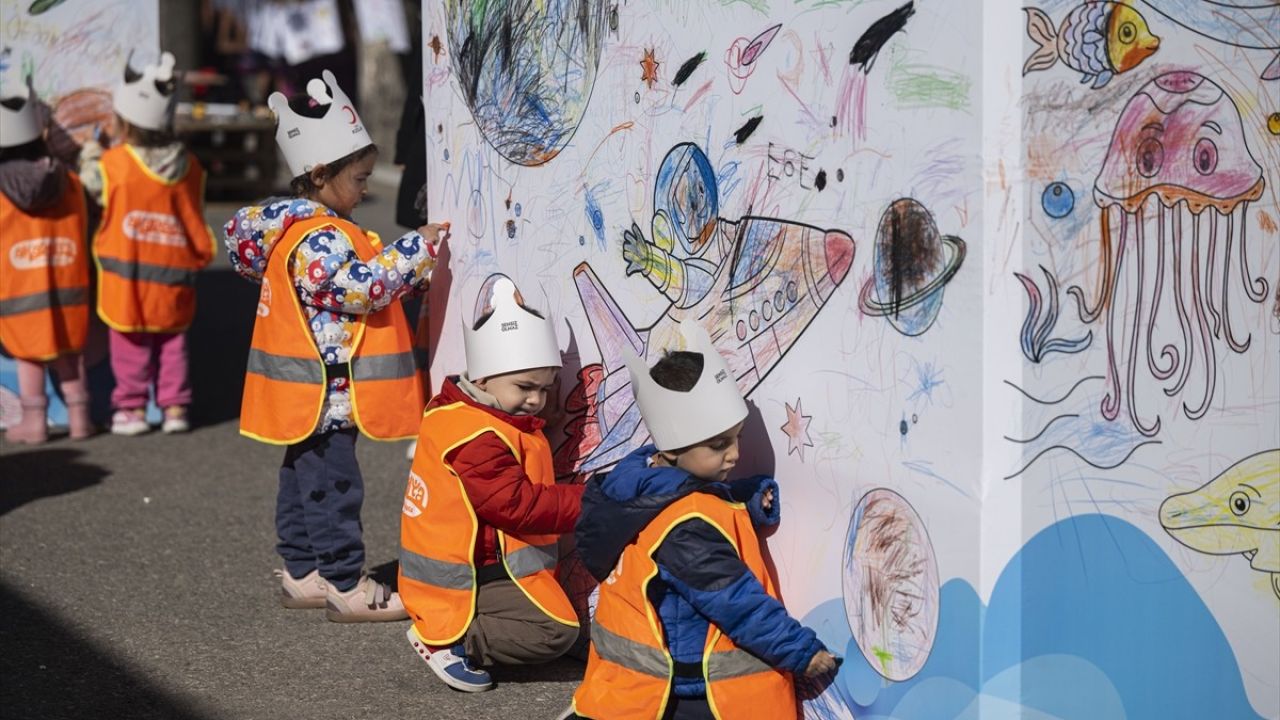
734	663
150	273
447	575
383	367
62	297
629	653
288	369
528	560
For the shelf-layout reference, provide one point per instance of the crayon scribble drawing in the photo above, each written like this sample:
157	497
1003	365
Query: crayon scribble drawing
890	580
1096	39
1178	152
913	265
527	71
755	283
1236	513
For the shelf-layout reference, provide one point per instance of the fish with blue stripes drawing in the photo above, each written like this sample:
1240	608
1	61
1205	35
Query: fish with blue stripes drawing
1099	40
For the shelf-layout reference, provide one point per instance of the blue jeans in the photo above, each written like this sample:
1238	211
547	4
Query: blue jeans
318	509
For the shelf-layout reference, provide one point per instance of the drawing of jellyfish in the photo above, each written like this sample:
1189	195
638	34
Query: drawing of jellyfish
526	70
890	583
1179	153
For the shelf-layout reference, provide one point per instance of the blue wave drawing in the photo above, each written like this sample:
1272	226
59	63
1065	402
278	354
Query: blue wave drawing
1090	620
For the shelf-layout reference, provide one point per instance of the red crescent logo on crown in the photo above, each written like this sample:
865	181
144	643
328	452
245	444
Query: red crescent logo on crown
352	121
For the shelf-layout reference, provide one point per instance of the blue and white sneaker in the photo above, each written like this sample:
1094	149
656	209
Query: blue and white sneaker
451	665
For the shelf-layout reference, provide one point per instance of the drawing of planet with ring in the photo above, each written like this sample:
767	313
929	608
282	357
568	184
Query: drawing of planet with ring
913	265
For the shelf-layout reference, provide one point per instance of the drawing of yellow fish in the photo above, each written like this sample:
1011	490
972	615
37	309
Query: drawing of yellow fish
1097	39
1236	512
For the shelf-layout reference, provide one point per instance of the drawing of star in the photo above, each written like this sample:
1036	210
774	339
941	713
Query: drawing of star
650	65
796	429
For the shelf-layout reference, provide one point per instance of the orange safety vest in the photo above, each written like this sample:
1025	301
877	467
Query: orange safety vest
438	529
44	277
287	380
150	244
629	669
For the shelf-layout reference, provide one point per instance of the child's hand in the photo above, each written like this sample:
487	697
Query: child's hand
822	663
434	234
766	502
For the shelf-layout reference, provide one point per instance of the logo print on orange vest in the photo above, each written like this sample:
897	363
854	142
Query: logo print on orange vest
154	227
264	299
43	252
415	496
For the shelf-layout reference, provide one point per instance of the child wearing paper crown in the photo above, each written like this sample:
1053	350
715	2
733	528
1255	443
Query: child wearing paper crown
332	353
150	243
669	537
482	511
44	271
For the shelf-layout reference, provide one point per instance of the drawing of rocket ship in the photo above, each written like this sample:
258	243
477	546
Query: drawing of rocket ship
754	284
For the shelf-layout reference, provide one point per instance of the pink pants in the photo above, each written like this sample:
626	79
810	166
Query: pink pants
140	359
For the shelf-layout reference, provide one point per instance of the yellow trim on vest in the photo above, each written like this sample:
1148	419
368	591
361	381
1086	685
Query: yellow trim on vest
300	316
151	173
706	648
475	528
502	545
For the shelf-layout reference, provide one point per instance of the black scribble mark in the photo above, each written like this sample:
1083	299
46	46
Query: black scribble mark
820	181
872	41
840	175
744	132
1030	397
687	68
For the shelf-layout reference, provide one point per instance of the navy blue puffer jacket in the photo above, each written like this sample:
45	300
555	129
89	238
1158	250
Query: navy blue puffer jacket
700	579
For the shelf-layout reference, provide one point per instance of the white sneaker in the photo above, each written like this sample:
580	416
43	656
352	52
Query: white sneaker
450	665
306	592
175	420
129	422
368	601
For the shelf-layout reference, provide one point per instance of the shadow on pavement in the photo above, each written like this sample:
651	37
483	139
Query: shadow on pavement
565	669
50	673
35	474
218	344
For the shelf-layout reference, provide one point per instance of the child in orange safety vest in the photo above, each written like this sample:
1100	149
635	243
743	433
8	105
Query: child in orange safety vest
332	353
482	511
688	623
44	271
150	244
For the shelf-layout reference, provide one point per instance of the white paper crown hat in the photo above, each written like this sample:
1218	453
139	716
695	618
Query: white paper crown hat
21	124
512	339
148	100
679	419
307	141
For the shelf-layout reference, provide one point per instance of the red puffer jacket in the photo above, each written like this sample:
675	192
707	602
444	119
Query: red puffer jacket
497	487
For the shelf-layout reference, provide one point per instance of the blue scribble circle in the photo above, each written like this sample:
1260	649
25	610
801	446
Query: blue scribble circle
1058	201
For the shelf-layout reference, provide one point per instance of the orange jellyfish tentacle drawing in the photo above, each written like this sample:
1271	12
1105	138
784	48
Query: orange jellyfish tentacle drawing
1178	145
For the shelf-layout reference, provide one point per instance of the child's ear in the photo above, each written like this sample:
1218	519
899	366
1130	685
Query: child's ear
482	383
319	174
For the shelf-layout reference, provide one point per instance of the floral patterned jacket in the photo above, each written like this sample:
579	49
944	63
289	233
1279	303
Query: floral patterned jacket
335	287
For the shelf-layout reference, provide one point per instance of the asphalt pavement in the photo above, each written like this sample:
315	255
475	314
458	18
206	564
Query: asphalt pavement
136	573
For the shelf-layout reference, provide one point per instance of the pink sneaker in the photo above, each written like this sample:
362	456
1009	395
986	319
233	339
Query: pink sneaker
129	422
175	420
368	601
306	592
